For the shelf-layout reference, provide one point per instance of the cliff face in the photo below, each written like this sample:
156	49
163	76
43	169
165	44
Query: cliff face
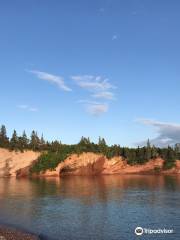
84	164
12	162
18	164
118	165
94	164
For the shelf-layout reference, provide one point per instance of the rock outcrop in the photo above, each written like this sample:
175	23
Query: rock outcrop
118	165
95	164
84	164
12	162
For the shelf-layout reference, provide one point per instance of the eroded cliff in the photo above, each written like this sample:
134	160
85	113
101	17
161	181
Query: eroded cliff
18	164
95	164
11	162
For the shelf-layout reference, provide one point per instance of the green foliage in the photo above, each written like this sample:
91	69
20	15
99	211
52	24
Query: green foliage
170	156
48	160
4	141
168	165
35	141
14	142
157	169
148	151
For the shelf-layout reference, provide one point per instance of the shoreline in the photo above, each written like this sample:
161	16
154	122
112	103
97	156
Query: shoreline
35	176
12	233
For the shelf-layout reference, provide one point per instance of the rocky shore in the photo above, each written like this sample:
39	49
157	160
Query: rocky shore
8	233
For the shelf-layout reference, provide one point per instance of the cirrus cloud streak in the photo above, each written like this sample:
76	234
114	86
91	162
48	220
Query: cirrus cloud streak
27	108
93	83
94	108
58	80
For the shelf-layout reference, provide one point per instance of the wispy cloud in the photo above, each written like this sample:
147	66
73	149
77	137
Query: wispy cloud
97	109
104	95
92	83
100	88
167	133
114	37
27	108
94	108
33	109
58	80
22	106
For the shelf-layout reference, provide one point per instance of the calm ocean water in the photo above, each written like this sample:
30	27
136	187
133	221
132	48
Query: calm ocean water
107	207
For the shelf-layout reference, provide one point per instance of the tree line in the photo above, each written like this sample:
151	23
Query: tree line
22	142
54	152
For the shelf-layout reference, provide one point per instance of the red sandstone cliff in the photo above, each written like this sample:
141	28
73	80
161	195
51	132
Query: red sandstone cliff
18	164
11	162
95	164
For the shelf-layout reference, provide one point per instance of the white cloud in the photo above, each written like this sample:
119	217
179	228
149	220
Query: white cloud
84	101
167	133
100	88
27	108
94	108
114	37
97	109
104	95
58	80
32	109
92	83
23	106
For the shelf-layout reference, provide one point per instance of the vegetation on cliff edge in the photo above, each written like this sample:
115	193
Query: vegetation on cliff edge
55	152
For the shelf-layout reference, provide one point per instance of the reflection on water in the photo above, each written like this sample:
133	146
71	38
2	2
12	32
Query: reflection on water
106	207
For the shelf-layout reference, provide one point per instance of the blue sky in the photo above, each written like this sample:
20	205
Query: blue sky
91	68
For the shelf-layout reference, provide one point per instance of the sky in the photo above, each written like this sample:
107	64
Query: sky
108	68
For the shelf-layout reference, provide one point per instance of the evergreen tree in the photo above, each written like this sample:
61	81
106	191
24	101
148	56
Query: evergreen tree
23	141
42	140
84	141
4	141
138	154
14	142
154	152
169	156
177	150
43	144
102	146
148	151
55	146
35	141
102	141
123	152
131	156
148	143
